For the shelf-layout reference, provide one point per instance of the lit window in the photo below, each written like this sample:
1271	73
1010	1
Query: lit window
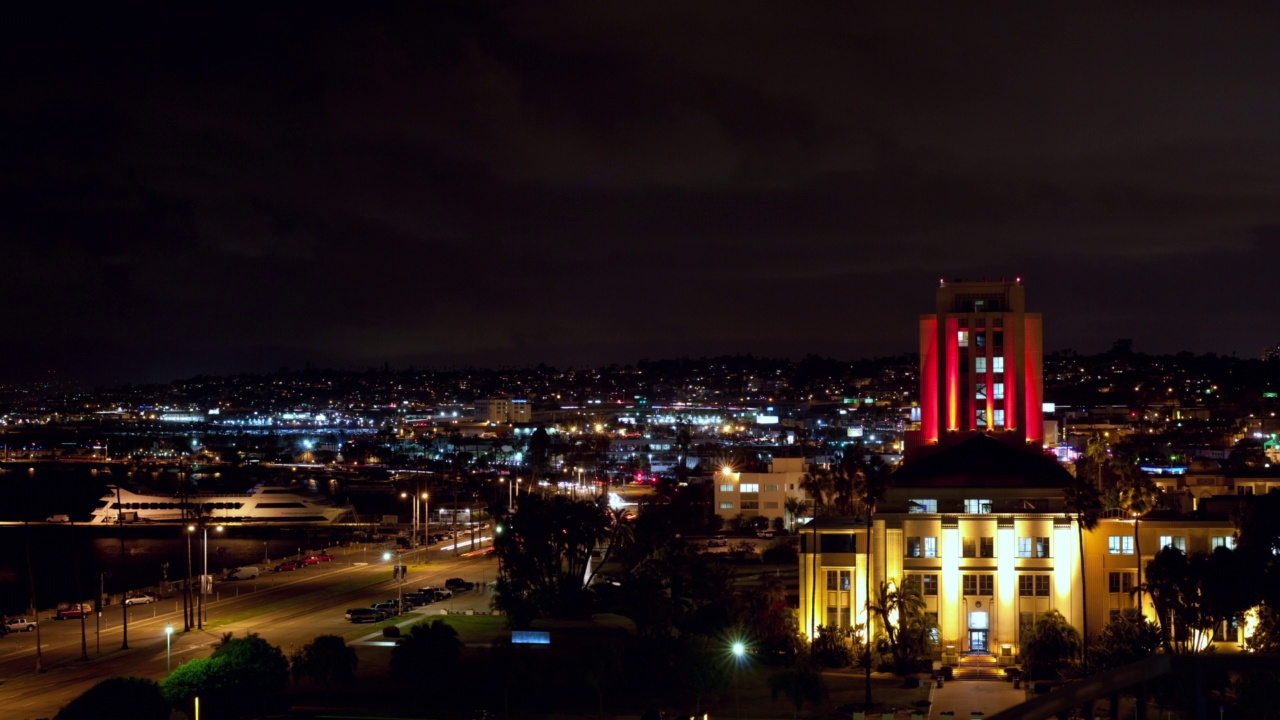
962	338
922	505
727	488
981	393
841	580
978	584
726	506
997	391
929	584
1024	548
839	599
1120	545
931	547
997	364
981	418
913	547
1120	582
750	487
980	364
1178	542
999	419
1042	585
1226	541
1042	547
977	506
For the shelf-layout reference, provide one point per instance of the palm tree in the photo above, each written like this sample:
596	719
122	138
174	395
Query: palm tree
1138	496
871	478
900	610
620	533
1085	502
793	506
818	482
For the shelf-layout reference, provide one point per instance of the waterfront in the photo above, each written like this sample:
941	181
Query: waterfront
70	563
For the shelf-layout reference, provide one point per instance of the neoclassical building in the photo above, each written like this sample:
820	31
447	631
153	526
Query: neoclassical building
984	527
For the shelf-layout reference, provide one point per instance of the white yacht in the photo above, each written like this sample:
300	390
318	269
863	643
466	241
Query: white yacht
266	504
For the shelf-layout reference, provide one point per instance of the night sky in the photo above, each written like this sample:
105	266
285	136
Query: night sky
509	183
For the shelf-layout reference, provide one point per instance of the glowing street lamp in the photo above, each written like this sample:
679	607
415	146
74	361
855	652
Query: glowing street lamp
168	648
739	654
200	612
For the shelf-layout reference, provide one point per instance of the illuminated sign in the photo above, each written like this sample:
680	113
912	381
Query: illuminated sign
766	419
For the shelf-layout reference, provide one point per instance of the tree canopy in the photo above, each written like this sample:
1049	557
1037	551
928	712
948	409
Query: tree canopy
1050	646
245	677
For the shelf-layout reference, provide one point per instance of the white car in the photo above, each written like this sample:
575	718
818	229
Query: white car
140	599
20	624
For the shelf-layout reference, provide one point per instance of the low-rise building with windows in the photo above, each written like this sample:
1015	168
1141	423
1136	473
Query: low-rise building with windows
983	527
756	494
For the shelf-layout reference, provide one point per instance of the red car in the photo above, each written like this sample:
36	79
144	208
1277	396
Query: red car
288	565
314	559
75	611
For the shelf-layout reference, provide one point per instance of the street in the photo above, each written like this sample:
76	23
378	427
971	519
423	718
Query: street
288	609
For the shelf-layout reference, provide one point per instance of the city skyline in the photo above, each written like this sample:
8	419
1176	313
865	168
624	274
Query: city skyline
502	185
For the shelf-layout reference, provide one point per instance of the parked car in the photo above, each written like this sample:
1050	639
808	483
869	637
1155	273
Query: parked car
439	593
58	519
458	584
420	598
389	609
247	572
766	534
140	599
20	624
358	615
718	541
76	610
288	565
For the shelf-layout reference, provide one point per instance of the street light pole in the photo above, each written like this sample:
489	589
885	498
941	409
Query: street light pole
200	620
168	649
426	519
186	588
97	616
739	651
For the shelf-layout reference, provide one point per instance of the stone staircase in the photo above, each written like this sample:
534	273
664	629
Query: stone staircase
978	667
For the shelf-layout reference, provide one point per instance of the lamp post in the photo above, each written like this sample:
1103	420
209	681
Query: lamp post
739	652
413	535
168	649
426	518
186	589
203	590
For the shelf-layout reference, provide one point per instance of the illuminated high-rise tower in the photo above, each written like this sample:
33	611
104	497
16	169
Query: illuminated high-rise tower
980	365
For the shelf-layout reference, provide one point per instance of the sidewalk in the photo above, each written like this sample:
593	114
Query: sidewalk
966	696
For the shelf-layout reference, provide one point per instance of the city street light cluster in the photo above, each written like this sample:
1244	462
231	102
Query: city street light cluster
206	582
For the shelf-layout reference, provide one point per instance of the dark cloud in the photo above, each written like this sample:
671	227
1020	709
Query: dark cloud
203	190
